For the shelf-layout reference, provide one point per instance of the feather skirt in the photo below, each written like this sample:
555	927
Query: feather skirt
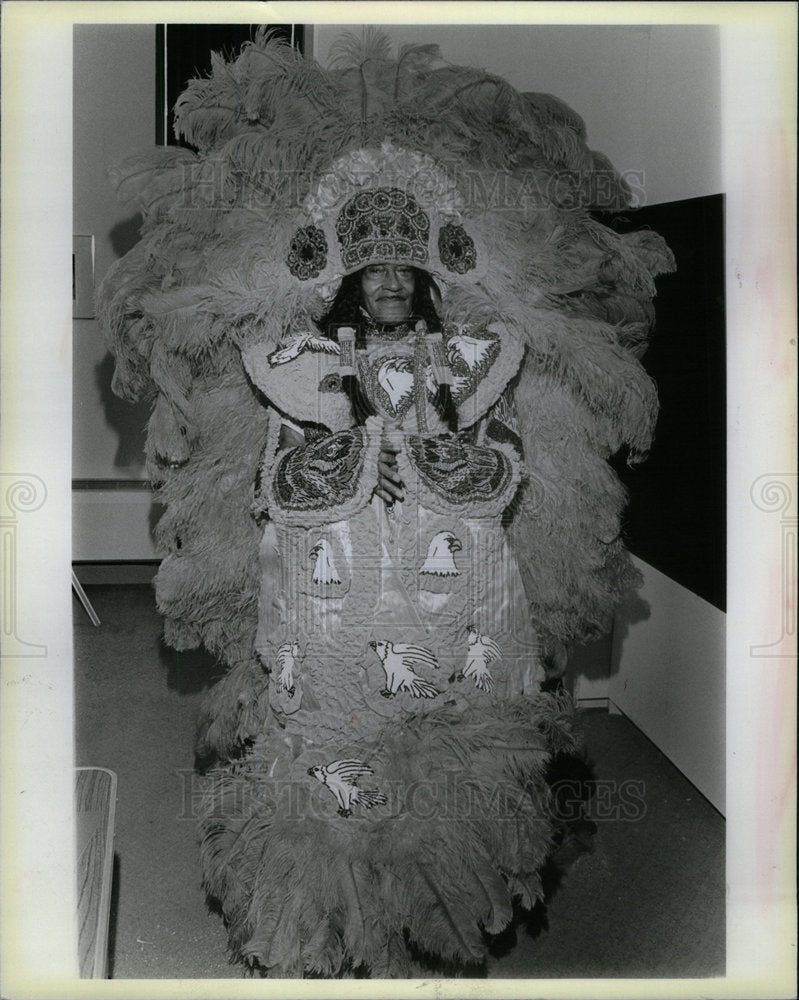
468	822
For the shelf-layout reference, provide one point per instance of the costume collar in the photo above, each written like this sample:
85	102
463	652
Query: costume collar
384	331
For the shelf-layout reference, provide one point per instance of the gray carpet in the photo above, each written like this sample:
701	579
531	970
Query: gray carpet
647	902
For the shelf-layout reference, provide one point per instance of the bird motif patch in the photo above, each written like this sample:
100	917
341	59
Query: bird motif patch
324	571
473	351
398	660
481	651
395	378
390	383
303	342
460	472
440	560
341	778
287	656
470	357
457	383
321	475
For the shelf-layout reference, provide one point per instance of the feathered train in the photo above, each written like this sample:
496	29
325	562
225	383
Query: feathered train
439	867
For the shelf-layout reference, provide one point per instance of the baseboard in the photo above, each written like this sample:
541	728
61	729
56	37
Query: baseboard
111	573
589	703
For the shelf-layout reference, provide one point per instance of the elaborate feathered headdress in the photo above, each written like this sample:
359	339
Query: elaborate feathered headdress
303	174
382	205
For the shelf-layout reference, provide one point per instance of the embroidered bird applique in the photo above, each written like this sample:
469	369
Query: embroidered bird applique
440	560
398	660
287	656
395	376
341	778
481	651
471	350
304	342
325	571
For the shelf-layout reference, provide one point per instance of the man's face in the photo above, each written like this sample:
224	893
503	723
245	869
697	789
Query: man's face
387	291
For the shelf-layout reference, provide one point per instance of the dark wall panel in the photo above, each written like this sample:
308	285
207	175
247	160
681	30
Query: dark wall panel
676	520
183	51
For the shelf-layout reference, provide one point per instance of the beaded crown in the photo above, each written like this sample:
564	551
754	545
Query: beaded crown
382	205
383	224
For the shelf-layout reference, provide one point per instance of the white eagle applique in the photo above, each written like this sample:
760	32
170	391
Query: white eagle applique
440	559
396	379
471	349
482	650
324	571
341	778
287	656
398	660
304	342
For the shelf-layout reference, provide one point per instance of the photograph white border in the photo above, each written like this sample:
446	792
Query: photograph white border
759	163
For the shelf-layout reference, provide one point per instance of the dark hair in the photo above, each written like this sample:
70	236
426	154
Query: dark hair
345	310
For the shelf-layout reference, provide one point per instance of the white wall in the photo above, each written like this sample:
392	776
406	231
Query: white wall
649	94
667	676
114	114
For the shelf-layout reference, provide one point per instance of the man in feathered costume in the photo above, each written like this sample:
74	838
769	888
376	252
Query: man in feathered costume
390	352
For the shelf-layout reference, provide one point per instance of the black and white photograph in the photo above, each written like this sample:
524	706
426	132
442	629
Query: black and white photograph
416	499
